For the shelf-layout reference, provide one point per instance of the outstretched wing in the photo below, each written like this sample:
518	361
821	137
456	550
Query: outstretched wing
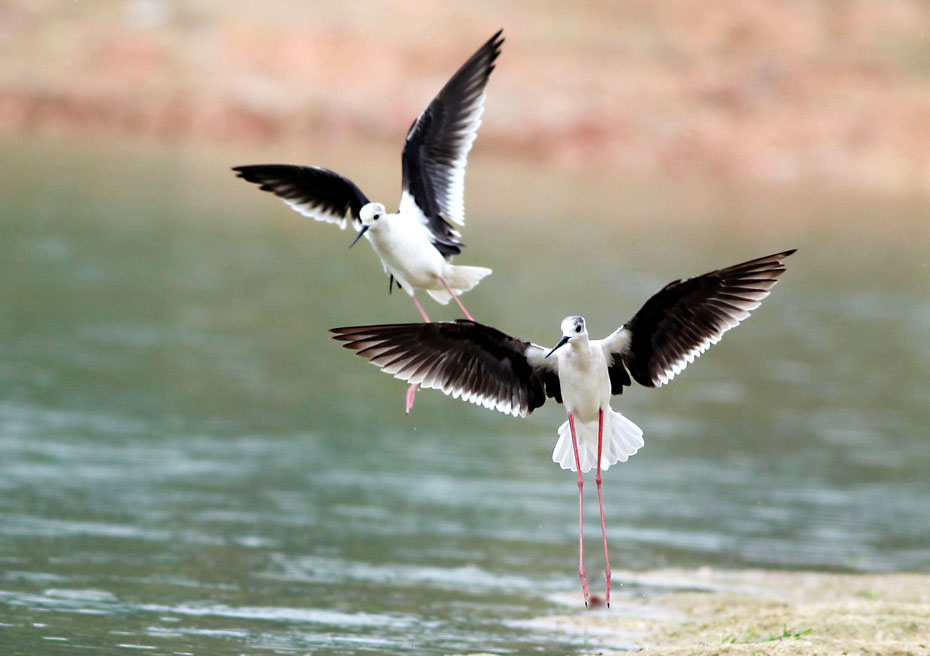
463	359
316	192
437	146
682	321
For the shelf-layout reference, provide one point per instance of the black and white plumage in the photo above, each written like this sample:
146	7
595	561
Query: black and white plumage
478	363
485	366
417	243
315	192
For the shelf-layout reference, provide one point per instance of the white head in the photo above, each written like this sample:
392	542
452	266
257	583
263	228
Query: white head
370	215
573	328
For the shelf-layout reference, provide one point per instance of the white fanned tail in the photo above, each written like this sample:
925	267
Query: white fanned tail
622	438
460	279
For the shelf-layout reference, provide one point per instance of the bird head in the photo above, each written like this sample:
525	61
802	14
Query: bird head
572	328
369	215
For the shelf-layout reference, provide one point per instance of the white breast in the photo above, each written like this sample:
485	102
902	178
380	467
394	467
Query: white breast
584	380
407	252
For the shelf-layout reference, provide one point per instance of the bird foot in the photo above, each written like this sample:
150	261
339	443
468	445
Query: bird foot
411	395
584	586
607	573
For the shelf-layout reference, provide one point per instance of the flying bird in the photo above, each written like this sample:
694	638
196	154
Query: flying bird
415	244
483	365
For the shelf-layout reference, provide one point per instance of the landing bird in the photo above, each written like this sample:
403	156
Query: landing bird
485	366
417	243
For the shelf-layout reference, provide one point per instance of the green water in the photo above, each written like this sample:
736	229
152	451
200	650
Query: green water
189	465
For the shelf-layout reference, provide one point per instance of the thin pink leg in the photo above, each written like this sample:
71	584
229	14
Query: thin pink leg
584	578
412	390
600	499
420	308
456	299
411	395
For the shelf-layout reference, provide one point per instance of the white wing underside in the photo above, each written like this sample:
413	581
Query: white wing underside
454	203
317	213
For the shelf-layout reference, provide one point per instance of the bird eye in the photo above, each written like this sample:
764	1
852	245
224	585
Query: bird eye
577	329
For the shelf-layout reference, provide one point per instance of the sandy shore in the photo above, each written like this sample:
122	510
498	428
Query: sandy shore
679	612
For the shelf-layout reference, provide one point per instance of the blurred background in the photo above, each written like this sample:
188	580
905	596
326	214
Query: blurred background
814	90
188	464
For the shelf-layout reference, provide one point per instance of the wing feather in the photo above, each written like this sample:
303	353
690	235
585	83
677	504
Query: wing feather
315	192
437	146
461	358
685	318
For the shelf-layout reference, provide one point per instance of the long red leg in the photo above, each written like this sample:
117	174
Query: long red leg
412	390
584	578
456	299
600	499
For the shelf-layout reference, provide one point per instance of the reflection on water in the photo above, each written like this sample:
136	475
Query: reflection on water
190	465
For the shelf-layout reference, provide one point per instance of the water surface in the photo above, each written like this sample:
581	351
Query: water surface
188	464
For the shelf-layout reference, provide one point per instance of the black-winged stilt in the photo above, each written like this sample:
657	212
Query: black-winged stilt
415	244
482	365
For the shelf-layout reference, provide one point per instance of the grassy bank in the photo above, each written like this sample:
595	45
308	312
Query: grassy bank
705	612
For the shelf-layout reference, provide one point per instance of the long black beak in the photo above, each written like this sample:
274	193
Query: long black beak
562	342
358	236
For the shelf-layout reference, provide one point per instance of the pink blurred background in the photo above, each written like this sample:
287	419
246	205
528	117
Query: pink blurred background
814	91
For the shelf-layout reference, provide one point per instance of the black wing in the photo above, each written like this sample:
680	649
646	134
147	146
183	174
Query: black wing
682	321
316	192
437	146
462	358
